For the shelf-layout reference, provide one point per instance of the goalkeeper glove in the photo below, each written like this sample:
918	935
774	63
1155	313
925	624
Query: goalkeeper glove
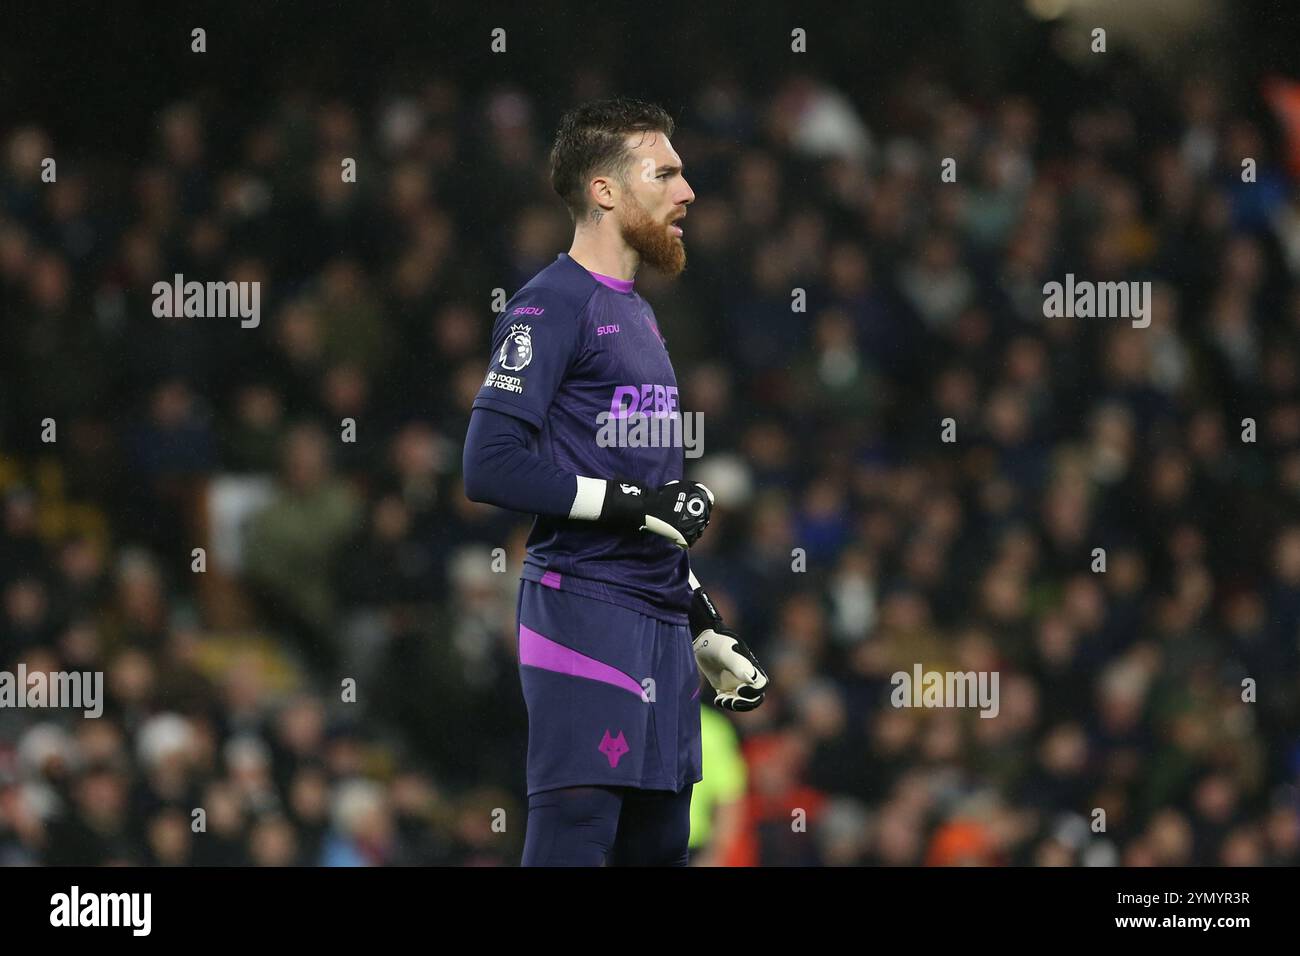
724	659
678	510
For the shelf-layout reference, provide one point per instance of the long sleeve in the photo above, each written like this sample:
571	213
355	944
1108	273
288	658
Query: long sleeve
501	468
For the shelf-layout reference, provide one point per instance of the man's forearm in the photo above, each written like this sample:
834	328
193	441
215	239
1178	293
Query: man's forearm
500	469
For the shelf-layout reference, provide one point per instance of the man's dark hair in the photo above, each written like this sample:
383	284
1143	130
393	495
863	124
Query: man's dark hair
590	140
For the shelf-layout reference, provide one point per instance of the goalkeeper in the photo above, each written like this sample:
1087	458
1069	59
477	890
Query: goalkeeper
614	630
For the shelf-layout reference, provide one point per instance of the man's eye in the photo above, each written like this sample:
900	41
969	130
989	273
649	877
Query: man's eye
662	176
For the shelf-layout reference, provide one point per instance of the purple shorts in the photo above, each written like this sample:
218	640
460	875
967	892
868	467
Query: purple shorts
613	695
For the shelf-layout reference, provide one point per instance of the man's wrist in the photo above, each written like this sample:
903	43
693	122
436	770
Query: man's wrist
703	613
623	504
589	501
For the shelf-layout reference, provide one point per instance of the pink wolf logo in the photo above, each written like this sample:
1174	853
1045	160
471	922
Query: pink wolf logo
613	748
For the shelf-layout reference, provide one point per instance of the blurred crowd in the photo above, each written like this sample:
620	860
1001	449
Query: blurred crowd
332	680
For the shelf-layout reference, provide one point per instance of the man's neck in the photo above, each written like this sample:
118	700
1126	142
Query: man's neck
599	257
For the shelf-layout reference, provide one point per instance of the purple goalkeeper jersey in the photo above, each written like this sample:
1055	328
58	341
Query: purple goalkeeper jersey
568	347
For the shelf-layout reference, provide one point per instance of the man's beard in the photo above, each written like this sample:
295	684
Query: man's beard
652	240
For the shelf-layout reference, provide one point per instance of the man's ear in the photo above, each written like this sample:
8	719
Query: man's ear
604	194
